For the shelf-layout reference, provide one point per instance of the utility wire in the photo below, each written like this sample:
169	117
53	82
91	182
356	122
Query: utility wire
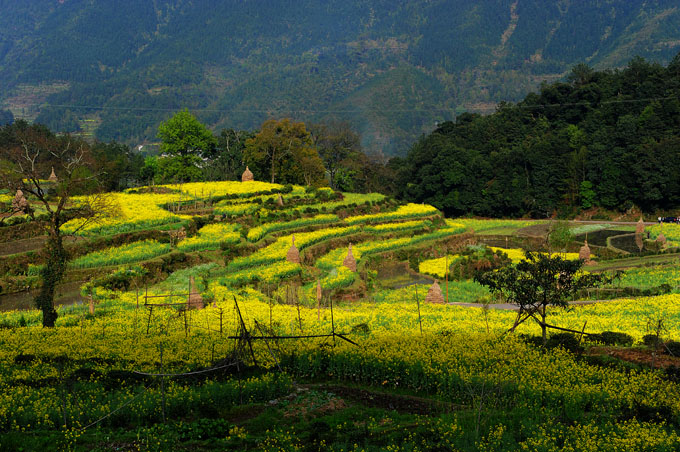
116	410
357	110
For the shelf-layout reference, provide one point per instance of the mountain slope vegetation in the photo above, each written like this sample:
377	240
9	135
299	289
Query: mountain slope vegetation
394	69
600	139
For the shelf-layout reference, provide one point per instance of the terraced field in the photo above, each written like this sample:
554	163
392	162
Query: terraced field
300	345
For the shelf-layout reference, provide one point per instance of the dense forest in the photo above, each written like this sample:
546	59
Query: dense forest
116	70
601	138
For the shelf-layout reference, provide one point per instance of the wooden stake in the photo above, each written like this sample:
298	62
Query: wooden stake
297	303
446	271
148	323
582	331
162	384
420	322
186	327
332	319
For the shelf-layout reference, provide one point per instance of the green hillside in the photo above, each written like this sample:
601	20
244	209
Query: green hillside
392	68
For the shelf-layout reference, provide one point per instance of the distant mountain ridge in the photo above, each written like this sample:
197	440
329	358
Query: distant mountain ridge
394	69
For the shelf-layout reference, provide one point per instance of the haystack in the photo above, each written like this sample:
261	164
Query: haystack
247	176
640	227
661	239
318	290
293	254
584	252
349	261
195	300
53	177
639	241
434	294
177	236
19	203
279	201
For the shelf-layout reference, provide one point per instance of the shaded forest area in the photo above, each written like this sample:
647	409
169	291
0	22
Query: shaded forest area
606	139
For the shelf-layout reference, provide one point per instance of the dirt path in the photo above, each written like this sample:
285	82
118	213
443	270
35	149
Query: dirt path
379	399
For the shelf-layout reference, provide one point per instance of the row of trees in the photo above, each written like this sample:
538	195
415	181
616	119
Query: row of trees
600	138
282	151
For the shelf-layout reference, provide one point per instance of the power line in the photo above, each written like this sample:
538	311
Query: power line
240	110
355	110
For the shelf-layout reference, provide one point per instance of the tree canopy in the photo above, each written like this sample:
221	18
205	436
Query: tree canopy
601	139
184	141
537	282
183	134
283	150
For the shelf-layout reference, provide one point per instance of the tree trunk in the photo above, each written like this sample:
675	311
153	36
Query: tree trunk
331	176
544	328
51	274
273	163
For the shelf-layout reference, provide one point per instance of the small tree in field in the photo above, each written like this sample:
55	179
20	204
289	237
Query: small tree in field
537	282
28	154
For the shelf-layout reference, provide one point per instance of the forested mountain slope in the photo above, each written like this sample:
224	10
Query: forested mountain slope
116	69
601	139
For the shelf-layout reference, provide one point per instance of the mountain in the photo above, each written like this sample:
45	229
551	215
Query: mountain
394	69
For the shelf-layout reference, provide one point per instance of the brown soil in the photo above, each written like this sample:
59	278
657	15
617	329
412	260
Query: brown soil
401	403
242	414
642	357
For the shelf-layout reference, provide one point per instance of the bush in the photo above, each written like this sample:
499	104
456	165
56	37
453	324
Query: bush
613	338
672	347
536	341
651	340
567	341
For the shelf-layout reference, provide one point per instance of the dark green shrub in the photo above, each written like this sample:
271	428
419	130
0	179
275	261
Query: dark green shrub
536	341
203	429
613	338
567	341
672	347
361	328
651	340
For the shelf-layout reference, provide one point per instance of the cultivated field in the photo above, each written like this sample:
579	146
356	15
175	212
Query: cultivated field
233	316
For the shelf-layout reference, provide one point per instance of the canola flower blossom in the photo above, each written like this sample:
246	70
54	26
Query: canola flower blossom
670	230
130	212
124	254
517	254
256	233
393	353
490	224
650	277
210	237
437	266
203	190
459	348
408	211
277	251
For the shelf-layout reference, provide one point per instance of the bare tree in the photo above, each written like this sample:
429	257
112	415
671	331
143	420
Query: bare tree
31	152
336	143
